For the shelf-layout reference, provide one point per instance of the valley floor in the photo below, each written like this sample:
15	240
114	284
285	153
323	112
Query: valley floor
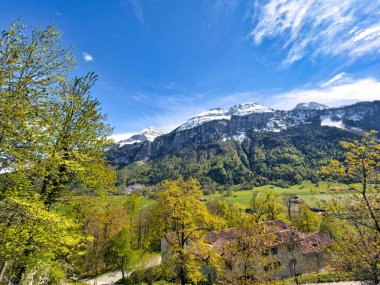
309	192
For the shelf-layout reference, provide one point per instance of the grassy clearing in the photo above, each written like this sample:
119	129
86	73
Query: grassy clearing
307	191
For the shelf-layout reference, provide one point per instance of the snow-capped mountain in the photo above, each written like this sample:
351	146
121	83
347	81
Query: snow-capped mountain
310	106
224	114
243	122
148	134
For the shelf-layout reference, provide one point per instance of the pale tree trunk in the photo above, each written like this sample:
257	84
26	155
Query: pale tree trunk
2	271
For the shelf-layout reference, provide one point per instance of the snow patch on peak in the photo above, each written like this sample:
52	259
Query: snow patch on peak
248	108
275	124
148	134
151	133
310	106
328	121
216	114
204	117
240	137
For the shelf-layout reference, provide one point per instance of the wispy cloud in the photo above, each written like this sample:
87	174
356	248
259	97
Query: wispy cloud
137	9
87	57
345	28
339	90
174	110
122	136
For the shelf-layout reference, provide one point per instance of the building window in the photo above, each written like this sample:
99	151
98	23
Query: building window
274	250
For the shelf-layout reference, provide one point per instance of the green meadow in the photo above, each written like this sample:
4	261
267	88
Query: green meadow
307	191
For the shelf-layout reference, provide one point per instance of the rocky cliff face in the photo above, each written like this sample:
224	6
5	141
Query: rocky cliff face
240	120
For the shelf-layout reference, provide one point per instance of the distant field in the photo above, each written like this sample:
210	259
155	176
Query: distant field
307	191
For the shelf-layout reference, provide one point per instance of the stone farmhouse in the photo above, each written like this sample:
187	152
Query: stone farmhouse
296	252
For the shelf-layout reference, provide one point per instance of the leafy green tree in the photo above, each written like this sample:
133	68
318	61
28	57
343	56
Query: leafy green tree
268	208
121	256
35	240
305	219
31	69
229	212
357	246
182	222
52	142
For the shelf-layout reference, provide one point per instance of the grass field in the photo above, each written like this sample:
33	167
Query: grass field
307	191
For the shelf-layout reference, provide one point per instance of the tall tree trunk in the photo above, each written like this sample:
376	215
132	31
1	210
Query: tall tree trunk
2	271
122	269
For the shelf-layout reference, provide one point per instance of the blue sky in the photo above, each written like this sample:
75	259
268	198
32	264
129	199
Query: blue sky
160	62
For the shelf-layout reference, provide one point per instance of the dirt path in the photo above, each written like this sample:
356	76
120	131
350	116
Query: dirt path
113	277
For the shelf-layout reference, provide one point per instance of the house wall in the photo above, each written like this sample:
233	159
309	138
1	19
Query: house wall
311	263
314	262
285	256
304	263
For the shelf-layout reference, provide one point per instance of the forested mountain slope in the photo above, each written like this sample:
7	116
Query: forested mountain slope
248	144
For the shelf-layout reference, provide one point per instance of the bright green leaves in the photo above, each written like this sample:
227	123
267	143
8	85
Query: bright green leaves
52	142
356	211
182	222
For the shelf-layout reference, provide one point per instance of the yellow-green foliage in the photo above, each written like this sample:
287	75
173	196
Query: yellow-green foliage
357	246
268	208
52	142
306	220
243	258
182	222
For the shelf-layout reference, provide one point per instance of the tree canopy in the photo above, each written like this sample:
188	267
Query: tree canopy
53	136
357	246
183	221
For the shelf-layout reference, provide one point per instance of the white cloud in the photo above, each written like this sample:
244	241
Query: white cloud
122	136
176	109
136	7
137	10
339	90
346	28
87	57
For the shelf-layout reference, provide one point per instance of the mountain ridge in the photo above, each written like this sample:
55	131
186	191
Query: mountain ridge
254	148
362	116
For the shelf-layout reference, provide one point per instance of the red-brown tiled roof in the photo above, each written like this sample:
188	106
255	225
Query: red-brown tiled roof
314	242
288	237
